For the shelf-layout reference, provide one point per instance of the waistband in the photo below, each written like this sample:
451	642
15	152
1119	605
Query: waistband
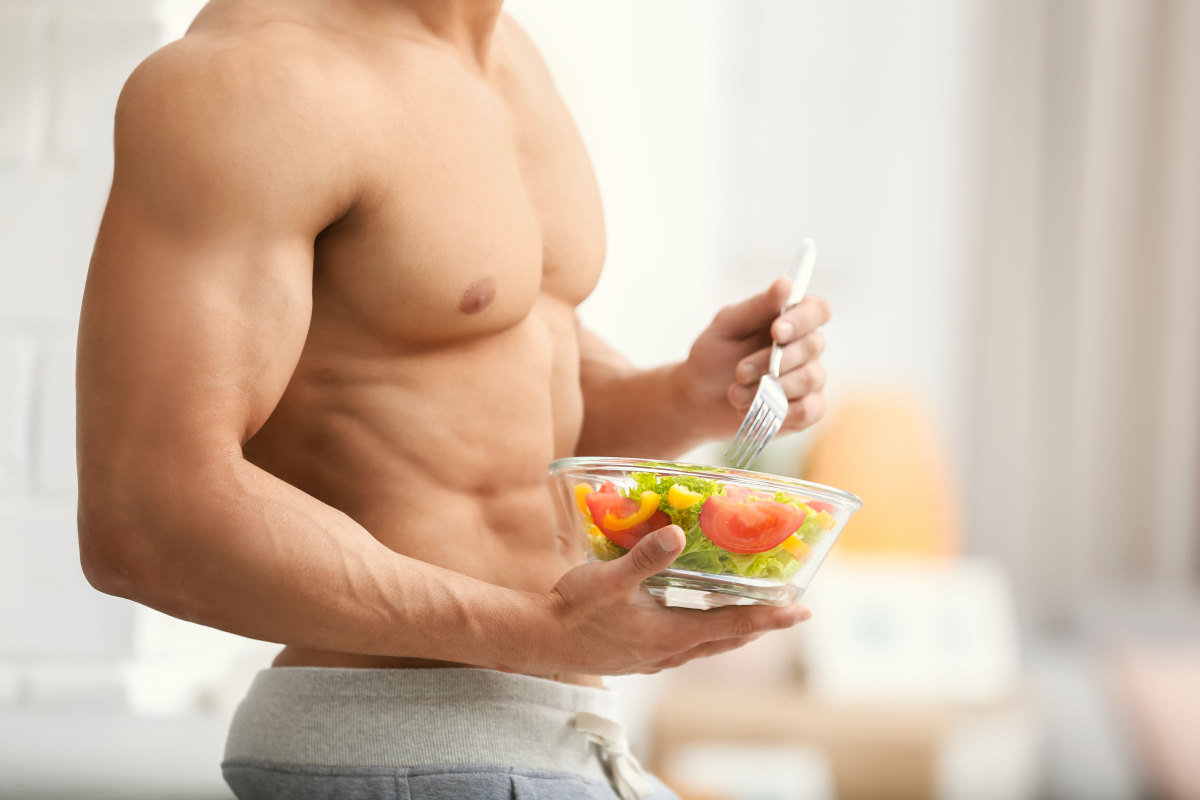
418	717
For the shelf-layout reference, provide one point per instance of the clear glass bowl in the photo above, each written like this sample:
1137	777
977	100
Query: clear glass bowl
752	538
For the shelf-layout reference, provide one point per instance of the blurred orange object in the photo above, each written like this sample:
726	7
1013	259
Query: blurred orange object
884	447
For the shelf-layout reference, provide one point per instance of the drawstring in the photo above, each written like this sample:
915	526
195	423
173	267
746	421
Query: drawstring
626	773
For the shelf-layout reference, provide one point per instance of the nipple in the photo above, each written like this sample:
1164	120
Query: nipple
478	296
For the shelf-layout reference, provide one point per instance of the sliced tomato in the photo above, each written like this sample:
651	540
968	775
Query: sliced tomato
741	494
607	500
818	506
753	526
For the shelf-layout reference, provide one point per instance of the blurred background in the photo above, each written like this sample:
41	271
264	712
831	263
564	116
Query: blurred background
1006	199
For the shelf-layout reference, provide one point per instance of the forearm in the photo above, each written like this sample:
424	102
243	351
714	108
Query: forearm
637	413
232	547
239	550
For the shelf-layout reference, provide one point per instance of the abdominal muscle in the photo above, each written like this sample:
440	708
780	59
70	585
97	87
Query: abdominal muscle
441	455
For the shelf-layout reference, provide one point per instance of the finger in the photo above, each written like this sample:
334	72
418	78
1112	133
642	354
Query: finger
651	555
804	381
796	353
752	315
805	411
808	380
801	319
741	397
738	622
797	383
703	651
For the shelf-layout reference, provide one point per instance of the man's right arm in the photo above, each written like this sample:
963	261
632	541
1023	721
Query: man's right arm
196	310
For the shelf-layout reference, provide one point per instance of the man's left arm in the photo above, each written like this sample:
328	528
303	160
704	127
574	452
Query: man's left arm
665	411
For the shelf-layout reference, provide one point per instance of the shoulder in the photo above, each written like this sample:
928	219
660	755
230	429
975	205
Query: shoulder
251	110
279	72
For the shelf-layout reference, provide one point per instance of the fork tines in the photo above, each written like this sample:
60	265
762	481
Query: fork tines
761	424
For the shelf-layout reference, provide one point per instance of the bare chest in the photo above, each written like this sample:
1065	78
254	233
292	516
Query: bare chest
475	204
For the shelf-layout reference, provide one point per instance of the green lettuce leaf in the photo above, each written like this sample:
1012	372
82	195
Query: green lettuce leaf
699	553
685	518
811	532
604	548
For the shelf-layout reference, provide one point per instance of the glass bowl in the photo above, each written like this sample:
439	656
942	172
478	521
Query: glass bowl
752	538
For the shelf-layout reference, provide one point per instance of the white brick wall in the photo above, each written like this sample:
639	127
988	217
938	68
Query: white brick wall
48	218
16	401
54	420
47	609
85	89
62	64
20	84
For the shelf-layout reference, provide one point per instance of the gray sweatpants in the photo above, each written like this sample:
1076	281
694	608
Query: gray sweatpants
306	733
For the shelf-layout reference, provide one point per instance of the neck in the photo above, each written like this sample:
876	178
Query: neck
468	25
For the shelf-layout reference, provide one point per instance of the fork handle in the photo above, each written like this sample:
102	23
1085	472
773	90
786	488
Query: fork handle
800	274
776	359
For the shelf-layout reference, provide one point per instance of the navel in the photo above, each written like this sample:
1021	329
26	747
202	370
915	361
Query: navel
478	296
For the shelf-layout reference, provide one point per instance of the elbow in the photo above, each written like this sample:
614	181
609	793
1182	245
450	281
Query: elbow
108	517
134	546
121	560
118	552
107	558
137	523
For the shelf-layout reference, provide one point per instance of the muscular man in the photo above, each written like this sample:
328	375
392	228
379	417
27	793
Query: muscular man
328	348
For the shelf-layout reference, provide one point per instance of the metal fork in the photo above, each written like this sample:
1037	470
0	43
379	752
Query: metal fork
770	406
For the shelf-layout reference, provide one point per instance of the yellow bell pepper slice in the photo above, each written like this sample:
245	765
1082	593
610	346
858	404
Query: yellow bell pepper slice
797	547
582	490
824	520
649	506
681	497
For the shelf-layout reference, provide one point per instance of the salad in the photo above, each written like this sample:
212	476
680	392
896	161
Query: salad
730	529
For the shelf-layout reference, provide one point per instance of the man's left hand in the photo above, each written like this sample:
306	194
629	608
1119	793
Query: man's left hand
722	371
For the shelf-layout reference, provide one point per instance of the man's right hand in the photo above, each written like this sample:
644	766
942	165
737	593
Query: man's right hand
604	622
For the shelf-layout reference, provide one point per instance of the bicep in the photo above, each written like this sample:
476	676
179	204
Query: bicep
185	343
199	293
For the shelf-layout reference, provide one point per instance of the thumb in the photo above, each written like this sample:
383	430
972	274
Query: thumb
651	555
754	314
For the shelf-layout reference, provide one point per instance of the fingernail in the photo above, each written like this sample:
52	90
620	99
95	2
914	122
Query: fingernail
784	331
666	540
803	616
746	373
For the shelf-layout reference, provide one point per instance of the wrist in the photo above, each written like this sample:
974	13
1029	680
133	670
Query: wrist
671	417
525	633
692	416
